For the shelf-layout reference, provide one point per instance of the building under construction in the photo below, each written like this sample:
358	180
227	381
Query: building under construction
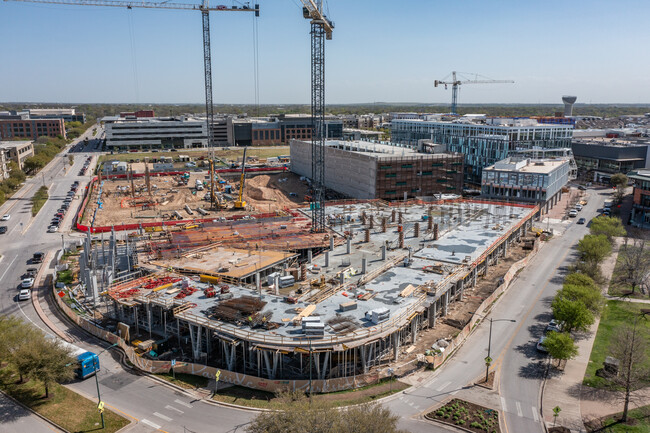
333	307
367	170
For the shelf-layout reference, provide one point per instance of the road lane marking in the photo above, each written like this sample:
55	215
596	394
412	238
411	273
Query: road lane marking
8	267
168	407
443	386
161	416
150	424
503	404
535	414
519	412
455	392
401	397
182	403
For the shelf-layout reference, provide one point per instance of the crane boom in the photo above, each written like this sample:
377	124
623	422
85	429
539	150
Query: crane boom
313	11
143	4
455	84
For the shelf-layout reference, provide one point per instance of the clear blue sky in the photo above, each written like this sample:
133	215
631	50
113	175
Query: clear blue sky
389	51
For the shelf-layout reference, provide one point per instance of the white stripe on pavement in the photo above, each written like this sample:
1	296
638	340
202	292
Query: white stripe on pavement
168	407
535	414
161	416
150	424
182	403
519	412
443	386
503	404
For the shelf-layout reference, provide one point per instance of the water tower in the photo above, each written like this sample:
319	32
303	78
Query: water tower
568	105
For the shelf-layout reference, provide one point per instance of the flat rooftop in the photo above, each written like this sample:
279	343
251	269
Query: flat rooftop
537	166
12	144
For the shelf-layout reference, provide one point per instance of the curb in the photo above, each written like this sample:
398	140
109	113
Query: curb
34	412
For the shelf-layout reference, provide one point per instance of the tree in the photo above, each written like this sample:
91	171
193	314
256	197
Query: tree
633	268
580	279
16	339
619	180
49	362
560	345
574	314
629	347
590	297
302	417
608	226
594	248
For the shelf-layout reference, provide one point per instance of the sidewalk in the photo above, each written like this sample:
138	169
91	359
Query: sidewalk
564	389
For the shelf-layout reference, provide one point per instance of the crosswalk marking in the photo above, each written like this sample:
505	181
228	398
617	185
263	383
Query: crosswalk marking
443	386
168	407
535	414
503	404
161	416
150	424
182	403
519	412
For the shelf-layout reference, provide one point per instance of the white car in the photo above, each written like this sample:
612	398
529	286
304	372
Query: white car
27	283
6	217
24	295
52	229
573	213
578	207
540	344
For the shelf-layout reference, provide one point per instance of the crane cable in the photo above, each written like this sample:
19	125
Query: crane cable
134	61
256	72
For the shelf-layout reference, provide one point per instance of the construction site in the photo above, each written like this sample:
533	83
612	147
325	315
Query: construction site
183	196
384	284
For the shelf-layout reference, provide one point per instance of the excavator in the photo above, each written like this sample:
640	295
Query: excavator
215	198
240	203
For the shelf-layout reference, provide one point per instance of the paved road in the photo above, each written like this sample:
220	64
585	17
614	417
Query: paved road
17	419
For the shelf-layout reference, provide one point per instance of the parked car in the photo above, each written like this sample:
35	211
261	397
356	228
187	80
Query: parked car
5	217
578	207
38	257
24	295
3	230
573	213
27	283
554	326
540	344
581	221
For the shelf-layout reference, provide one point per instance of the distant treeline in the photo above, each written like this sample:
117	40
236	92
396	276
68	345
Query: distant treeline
94	111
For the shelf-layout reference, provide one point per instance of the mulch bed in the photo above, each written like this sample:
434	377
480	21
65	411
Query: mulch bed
470	416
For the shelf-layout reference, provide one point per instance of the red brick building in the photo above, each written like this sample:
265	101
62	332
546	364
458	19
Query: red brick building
31	128
139	113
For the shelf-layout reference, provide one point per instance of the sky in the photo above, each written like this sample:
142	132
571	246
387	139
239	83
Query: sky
381	51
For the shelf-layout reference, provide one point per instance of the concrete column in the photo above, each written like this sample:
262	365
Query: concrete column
309	257
475	272
400	218
433	310
445	303
258	286
327	259
384	223
392	216
383	252
149	318
414	329
401	239
364	265
331	243
416	230
348	245
396	343
505	249
372	222
366	236
342	278
435	232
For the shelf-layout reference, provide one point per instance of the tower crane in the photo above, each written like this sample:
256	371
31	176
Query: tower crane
321	29
205	10
455	84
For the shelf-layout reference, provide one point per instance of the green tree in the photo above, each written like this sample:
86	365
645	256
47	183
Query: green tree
49	362
560	345
17	339
580	279
574	314
302	417
594	248
608	226
633	265
592	298
619	180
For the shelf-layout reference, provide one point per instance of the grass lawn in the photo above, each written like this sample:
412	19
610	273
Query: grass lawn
638	422
39	199
184	380
64	407
233	153
267	400
615	314
617	289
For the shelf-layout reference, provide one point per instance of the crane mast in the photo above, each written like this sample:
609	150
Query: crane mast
321	29
455	86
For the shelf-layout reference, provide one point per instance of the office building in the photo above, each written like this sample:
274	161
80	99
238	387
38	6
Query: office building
67	114
155	133
483	142
366	170
17	151
600	158
526	180
640	214
21	125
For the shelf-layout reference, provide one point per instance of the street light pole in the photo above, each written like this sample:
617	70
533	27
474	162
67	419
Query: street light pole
488	360
99	397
